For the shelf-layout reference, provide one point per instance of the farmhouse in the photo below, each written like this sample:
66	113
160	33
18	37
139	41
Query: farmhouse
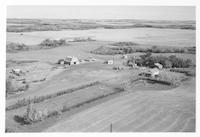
71	60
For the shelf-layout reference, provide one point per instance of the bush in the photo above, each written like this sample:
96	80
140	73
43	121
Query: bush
32	115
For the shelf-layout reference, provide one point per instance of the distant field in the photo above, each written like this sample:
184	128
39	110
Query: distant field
27	25
151	36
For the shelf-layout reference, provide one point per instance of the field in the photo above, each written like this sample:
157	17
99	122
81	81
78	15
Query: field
151	36
28	25
92	95
168	112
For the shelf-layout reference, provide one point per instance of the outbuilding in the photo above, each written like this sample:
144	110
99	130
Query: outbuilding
16	71
71	60
110	62
61	61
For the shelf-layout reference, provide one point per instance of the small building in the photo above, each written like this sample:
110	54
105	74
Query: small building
110	62
71	60
17	71
61	61
158	65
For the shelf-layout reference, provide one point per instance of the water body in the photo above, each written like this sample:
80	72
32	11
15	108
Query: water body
153	36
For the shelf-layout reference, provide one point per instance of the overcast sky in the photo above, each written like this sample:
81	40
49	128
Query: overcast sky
103	12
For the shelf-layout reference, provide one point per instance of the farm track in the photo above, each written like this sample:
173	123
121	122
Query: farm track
142	111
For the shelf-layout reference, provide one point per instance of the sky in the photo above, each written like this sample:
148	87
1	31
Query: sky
103	12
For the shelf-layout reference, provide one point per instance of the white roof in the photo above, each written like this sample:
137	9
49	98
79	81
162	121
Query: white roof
70	58
158	64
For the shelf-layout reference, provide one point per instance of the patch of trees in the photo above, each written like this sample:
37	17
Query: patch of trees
14	87
172	61
14	47
156	49
129	47
125	44
52	43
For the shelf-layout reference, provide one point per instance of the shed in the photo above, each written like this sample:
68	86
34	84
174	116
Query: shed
16	71
71	60
61	61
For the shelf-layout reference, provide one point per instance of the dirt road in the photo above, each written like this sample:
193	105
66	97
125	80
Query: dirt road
141	111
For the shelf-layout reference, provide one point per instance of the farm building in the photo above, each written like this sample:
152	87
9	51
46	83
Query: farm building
71	60
109	62
158	65
16	71
61	61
